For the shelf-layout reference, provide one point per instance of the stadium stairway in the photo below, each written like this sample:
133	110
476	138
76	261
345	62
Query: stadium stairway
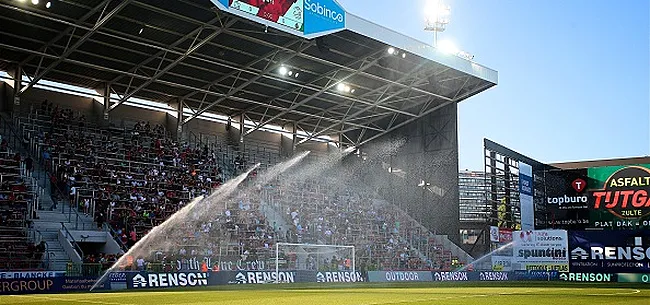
49	224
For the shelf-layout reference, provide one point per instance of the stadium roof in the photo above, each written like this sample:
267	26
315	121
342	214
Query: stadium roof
221	61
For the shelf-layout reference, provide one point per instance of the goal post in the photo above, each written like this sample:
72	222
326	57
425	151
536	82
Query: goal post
314	257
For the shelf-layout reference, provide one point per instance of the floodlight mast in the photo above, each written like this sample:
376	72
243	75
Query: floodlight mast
437	18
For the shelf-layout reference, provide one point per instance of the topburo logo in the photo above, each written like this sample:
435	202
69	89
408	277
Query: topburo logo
450	276
567	199
636	253
339	277
323	15
579	185
162	280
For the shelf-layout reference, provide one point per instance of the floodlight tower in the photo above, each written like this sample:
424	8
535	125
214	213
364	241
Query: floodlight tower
437	18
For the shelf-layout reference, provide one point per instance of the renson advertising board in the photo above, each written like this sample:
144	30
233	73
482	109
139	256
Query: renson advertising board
610	251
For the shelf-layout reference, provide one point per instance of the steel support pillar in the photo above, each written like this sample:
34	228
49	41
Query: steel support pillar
107	100
179	119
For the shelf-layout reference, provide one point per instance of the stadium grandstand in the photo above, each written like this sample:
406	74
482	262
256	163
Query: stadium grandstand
117	114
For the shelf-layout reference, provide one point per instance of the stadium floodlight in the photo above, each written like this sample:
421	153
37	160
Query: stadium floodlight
48	4
283	70
391	50
290	73
340	87
35	2
437	18
141	30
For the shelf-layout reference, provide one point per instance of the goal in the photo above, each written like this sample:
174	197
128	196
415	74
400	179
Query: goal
312	257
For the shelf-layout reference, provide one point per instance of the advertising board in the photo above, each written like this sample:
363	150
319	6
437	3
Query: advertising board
619	198
527	206
288	13
618	251
588	277
501	263
145	280
303	17
30	274
566	199
49	285
399	276
541	250
634	278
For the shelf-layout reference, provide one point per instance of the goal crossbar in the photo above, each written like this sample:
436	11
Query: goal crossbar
277	252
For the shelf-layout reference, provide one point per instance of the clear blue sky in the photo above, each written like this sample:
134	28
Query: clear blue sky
574	76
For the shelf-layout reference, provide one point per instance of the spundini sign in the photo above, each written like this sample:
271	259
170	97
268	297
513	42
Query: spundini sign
540	250
610	251
621	200
166	280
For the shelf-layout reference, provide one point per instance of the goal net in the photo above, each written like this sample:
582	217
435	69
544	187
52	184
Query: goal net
310	257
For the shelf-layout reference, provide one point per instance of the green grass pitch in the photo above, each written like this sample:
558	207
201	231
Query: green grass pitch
466	294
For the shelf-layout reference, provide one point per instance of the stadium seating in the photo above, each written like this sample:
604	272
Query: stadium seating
134	178
18	250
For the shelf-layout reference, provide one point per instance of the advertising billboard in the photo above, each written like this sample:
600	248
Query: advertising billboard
541	250
526	196
59	284
285	12
619	198
309	18
567	201
610	251
144	280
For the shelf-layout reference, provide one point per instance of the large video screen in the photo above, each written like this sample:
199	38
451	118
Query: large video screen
285	12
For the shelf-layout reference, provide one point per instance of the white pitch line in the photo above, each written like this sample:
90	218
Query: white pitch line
616	293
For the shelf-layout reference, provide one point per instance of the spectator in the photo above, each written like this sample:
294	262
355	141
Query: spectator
29	165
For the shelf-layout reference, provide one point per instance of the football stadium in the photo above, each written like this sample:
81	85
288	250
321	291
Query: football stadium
282	151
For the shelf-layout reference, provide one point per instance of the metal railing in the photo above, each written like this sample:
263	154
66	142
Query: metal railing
69	236
84	269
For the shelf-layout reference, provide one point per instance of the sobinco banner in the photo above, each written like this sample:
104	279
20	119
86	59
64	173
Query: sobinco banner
399	276
166	280
610	251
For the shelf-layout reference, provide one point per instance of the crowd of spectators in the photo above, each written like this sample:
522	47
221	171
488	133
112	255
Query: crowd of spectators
17	251
135	178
